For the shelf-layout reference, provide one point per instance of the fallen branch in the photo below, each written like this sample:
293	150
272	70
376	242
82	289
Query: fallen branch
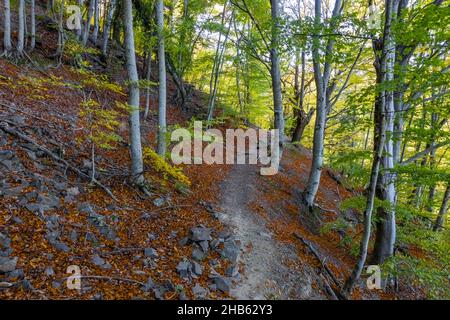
106	278
22	136
324	265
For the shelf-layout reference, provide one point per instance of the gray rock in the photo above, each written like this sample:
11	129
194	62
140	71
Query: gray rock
16	274
200	234
169	286
184	241
49	271
151	253
151	236
196	268
198	254
200	292
149	285
232	271
73	236
231	251
159	202
74	191
223	284
8	264
183	269
100	262
214	244
60	246
204	245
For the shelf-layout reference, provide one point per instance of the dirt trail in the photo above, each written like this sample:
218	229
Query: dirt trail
265	274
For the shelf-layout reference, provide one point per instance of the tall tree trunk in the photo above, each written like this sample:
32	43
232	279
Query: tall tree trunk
80	31
162	93
87	26
107	28
217	66
137	167
303	118
7	27
370	201
322	102
96	22
33	25
21	28
386	227
60	45
275	71
148	78
440	220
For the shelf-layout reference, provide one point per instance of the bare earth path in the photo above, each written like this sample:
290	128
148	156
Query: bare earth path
265	274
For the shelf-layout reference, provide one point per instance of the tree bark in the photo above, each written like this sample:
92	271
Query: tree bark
33	25
148	78
386	227
107	28
21	28
162	92
275	71
7	47
96	22
440	220
87	26
137	166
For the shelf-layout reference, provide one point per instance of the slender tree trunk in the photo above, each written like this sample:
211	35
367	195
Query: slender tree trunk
96	21
440	220
60	46
33	25
276	71
21	28
107	28
87	26
303	118
162	93
7	27
217	66
148	78
137	167
322	102
364	246
80	31
386	227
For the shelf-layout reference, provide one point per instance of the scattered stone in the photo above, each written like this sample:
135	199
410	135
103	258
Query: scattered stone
196	268
204	245
56	284
232	271
49	271
198	254
151	253
214	244
159	202
16	274
183	269
100	262
200	234
8	264
169	286
73	191
151	236
223	284
200	292
231	251
73	236
184	241
60	246
149	285
91	237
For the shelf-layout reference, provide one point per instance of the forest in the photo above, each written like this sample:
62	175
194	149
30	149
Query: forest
105	196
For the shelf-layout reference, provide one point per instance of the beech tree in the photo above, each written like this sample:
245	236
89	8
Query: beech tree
7	27
137	166
162	92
